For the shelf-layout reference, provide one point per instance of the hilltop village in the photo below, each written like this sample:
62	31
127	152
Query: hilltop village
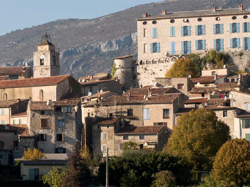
136	102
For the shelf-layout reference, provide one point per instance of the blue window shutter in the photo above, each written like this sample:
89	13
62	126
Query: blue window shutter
222	28
2	112
182	28
243	27
196	44
151	47
222	44
231	27
172	47
238	27
204	29
158	47
31	174
247	26
189	47
154	32
204	45
231	42
214	29
189	30
182	47
243	43
247	43
196	30
214	44
238	42
171	31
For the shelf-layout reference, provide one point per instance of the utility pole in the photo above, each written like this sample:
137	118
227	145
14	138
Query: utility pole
107	168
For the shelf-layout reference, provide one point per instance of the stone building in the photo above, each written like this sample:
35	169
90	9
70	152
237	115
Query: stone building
125	71
20	72
171	34
56	125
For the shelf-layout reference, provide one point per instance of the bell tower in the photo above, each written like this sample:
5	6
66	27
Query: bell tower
46	59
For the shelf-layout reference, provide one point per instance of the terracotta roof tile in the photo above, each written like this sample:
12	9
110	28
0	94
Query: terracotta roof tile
42	105
202	89
32	82
46	42
206	79
140	130
22	129
216	102
146	90
196	101
107	121
9	103
20	114
13	70
97	81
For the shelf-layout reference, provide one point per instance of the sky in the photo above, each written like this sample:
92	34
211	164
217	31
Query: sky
19	14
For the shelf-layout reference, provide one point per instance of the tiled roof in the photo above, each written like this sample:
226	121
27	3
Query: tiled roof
202	89
53	156
43	105
109	121
122	57
98	76
7	103
227	85
140	130
13	70
243	114
147	90
198	13
45	162
21	129
20	114
33	82
196	101
97	81
184	110
206	79
4	77
46	42
216	102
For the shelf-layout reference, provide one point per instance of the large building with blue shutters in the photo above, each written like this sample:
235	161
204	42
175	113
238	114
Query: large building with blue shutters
163	38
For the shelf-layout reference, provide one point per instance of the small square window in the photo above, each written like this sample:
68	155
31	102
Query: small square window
104	148
41	137
141	137
224	114
165	113
59	137
125	137
130	112
104	136
180	86
44	123
42	112
60	150
68	109
60	123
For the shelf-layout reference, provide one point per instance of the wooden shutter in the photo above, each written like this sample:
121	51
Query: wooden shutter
197	44
231	42
222	44
231	27
189	47
172	47
243	123
204	29
204	44
222	28
247	137
158	47
182	47
214	29
196	30
182	30
189	30
238	27
238	42
151	47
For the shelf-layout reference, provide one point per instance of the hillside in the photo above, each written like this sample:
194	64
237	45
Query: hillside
88	46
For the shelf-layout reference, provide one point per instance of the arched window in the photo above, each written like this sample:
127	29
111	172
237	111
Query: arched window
5	96
41	95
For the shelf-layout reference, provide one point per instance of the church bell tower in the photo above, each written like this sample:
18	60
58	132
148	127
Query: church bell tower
46	59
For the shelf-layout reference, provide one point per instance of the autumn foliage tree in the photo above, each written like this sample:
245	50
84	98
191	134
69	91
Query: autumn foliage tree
54	177
197	138
164	178
33	154
183	67
232	162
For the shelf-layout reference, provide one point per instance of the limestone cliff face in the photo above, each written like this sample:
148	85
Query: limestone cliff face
89	46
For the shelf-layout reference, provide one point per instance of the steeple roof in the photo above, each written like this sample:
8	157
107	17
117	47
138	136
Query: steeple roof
46	42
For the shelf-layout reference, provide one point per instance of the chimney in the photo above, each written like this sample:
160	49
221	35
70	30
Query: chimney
145	15
164	12
129	95
214	9
215	77
241	7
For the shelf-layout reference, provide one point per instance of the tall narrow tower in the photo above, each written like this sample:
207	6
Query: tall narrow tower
46	59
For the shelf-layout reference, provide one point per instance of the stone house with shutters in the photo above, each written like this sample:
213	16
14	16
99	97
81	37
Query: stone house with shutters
56	125
17	72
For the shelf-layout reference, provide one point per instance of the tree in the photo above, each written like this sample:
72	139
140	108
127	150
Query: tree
218	59
209	181
183	67
197	138
164	178
232	162
85	153
33	154
54	177
113	70
130	146
77	172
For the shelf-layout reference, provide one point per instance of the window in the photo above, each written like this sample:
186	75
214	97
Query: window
54	60
5	96
60	123
104	148
68	109
13	77
144	32
146	113
144	23
20	121
186	47
234	27
180	86
104	136
58	109
218	28
161	123
234	42
186	31
245	123
172	21
125	137
246	27
172	48
246	45
185	20
33	174
15	145
141	137
245	17
172	31
154	32
155	47
219	45
2	122
41	137
246	106
200	44
44	123
41	95
141	146
121	146
234	17
130	112
247	137
165	113
225	114
2	112
1	144
200	30
41	61
154	22
60	150
59	137
217	19
199	19
14	121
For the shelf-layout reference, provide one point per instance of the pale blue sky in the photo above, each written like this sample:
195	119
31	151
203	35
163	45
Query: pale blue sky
18	14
